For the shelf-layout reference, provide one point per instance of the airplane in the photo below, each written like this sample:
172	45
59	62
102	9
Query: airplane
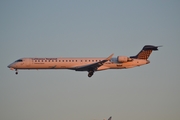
90	65
109	118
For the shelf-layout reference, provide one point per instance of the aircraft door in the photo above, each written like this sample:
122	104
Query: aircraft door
28	62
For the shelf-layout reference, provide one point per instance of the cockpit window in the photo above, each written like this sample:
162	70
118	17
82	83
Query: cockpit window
20	60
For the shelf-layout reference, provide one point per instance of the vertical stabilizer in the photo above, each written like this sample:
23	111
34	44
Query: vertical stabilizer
110	118
145	52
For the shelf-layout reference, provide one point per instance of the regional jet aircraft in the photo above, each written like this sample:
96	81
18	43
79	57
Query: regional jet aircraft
90	65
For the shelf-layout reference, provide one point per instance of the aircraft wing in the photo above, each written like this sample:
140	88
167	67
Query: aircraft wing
93	66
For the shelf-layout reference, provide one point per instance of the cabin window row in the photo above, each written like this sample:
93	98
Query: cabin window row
45	60
66	60
80	60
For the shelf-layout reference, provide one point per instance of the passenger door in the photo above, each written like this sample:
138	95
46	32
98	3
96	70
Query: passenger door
28	62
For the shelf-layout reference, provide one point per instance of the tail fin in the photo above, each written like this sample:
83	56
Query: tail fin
145	52
110	118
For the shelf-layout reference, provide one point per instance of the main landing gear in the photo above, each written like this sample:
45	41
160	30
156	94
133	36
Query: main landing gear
90	73
16	72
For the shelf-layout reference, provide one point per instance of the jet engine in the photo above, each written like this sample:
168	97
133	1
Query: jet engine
122	59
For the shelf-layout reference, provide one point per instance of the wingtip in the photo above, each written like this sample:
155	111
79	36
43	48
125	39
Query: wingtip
112	54
109	58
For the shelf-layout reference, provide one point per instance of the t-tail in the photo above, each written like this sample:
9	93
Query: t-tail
145	52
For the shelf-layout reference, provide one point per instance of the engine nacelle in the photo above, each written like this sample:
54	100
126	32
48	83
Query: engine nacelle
122	59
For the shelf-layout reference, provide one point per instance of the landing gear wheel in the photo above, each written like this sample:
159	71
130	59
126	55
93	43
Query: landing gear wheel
90	73
16	72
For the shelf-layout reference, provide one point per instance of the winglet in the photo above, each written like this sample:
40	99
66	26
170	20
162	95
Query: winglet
109	58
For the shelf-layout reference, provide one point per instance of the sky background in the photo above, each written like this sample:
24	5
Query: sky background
94	28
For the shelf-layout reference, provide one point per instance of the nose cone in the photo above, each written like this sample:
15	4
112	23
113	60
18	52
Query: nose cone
8	66
11	66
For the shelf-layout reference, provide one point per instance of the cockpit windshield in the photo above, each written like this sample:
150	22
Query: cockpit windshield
20	60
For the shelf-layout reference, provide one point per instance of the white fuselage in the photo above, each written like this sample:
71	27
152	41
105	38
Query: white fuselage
86	64
73	63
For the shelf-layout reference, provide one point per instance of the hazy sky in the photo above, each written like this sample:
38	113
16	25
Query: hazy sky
94	28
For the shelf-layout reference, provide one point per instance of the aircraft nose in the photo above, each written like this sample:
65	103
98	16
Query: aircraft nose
10	66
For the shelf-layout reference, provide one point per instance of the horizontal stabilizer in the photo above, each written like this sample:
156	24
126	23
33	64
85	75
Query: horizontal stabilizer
150	47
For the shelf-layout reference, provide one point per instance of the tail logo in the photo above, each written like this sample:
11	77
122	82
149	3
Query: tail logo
144	54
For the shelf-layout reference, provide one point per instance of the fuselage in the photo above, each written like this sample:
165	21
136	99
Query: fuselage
86	64
73	63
